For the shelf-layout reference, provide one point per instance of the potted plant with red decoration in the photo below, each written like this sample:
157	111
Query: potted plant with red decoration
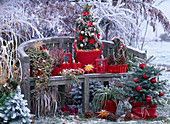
118	57
87	46
57	55
106	99
146	91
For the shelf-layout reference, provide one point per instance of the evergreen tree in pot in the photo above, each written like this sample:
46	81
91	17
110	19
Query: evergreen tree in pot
87	46
146	91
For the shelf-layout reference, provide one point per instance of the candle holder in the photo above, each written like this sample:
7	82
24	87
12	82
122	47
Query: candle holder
67	57
101	65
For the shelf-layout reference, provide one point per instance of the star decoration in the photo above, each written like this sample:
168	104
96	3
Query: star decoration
80	37
91	41
37	45
102	114
89	23
85	13
98	36
87	6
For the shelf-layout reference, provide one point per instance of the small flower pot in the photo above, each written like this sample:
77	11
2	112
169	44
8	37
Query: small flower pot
112	69
122	68
110	105
55	71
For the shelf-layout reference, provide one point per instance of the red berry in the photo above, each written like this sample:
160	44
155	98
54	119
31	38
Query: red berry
161	93
144	76
148	99
138	88
135	80
153	80
142	65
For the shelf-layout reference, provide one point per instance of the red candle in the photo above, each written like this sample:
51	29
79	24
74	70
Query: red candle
68	65
78	65
74	65
63	65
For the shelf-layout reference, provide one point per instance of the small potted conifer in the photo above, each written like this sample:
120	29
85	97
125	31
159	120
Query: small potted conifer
146	91
118	57
87	45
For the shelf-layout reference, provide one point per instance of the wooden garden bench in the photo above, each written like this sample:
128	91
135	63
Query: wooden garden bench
66	43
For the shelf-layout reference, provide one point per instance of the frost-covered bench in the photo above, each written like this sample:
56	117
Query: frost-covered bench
67	44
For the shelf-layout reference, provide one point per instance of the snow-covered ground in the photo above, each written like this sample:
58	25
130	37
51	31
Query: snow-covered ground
161	50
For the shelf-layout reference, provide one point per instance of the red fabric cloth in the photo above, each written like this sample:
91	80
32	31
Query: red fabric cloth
87	57
143	111
110	106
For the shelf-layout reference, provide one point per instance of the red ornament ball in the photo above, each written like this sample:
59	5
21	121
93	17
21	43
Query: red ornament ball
142	65
135	80
161	93
153	80
148	99
138	88
144	76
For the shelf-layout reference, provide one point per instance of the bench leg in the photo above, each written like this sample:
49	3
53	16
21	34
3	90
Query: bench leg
61	88
85	94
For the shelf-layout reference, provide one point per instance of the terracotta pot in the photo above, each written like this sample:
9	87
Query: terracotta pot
143	110
110	105
87	57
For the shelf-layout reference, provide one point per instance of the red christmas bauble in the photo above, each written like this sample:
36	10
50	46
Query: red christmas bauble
135	80
148	99
144	76
138	88
153	80
161	93
142	65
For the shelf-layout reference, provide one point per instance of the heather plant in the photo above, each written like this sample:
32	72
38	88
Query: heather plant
57	55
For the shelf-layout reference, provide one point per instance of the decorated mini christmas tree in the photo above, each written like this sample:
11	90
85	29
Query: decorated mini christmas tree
86	32
146	91
14	109
145	85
